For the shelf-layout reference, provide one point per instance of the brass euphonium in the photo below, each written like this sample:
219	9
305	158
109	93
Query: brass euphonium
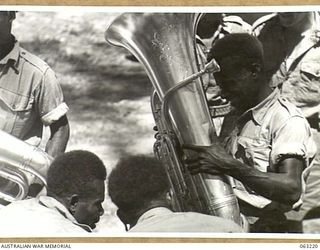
165	44
20	164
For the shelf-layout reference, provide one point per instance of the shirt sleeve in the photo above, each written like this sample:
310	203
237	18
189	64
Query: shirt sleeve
293	138
51	105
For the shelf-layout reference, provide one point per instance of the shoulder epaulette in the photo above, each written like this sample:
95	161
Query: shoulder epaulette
34	60
290	107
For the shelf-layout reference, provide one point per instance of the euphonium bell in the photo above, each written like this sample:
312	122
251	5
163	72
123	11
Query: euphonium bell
165	44
20	164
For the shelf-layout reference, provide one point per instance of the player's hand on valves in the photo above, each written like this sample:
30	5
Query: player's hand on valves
212	159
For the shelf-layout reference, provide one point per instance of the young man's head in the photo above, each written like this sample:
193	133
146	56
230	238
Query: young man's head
240	57
77	179
7	40
294	20
6	18
137	184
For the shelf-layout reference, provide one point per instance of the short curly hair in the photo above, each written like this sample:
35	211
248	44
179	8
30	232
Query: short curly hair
73	173
243	48
136	181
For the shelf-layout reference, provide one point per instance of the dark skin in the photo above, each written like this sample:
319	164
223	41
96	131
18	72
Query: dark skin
59	136
86	209
6	39
245	88
296	21
283	186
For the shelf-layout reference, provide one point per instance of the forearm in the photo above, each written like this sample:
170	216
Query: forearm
274	186
59	137
283	185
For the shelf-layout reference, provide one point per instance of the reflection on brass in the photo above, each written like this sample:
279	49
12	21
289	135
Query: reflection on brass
20	165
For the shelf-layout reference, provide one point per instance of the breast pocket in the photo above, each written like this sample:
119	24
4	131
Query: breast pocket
254	153
305	87
310	76
16	103
311	69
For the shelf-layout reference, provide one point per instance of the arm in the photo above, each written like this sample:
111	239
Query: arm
291	148
52	109
59	137
283	186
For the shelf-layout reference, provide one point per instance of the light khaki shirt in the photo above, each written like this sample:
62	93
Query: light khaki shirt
161	219
30	95
43	216
298	73
263	135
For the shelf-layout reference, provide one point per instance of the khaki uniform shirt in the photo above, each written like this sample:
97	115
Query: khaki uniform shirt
262	136
161	219
298	73
30	95
43	216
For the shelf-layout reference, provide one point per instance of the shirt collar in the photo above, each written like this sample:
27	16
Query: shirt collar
154	212
52	203
13	55
259	111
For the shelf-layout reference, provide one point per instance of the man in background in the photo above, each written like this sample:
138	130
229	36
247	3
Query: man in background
30	98
139	187
291	53
30	95
75	192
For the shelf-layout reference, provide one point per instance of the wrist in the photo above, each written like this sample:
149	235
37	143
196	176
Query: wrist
237	169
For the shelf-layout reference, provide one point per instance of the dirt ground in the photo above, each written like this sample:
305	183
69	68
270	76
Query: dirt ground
108	95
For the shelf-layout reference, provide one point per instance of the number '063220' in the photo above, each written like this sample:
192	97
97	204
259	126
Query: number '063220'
308	246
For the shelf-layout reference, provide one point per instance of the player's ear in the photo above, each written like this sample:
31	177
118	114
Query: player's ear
73	203
255	69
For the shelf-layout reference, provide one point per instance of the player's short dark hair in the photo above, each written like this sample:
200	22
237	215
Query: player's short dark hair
136	181
243	48
73	173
